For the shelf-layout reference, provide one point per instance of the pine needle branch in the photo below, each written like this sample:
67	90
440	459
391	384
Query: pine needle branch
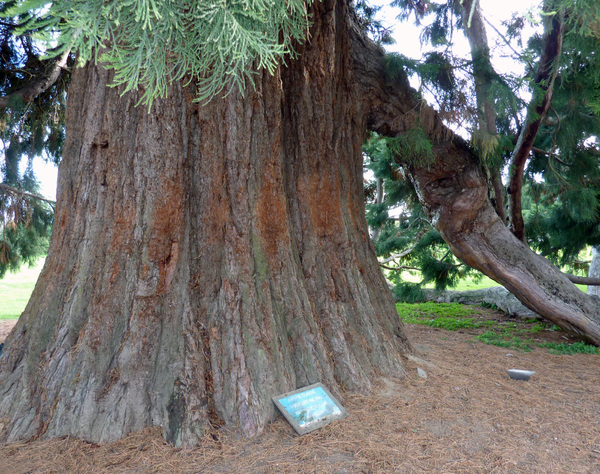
9	189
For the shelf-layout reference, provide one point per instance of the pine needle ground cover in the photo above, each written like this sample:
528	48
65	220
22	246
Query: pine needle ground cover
467	416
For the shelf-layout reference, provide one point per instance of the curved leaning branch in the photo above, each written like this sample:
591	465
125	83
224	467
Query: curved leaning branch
453	190
579	280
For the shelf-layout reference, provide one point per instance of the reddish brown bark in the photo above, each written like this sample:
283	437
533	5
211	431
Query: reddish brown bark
543	83
204	259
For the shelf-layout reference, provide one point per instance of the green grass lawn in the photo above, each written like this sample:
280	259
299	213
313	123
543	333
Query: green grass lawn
516	334
468	283
15	290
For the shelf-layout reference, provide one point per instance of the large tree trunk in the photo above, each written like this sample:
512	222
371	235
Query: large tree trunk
204	259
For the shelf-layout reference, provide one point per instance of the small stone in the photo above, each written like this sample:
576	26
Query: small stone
517	374
421	373
509	355
418	360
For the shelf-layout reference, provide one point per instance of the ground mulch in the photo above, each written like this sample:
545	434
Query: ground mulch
466	416
5	326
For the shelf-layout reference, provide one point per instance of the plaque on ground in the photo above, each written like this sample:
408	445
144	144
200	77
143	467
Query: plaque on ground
309	408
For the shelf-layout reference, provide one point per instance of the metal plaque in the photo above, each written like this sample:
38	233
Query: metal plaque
309	408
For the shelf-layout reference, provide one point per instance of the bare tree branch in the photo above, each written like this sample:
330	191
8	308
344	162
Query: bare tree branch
401	267
544	84
507	42
39	85
10	189
579	280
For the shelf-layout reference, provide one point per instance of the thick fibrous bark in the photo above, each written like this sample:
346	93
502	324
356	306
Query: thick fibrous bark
204	259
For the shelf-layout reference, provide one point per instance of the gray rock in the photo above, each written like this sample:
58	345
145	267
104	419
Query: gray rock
418	360
421	373
497	296
518	374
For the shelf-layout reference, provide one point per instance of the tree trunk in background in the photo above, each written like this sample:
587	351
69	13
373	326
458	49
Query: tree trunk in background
486	135
545	75
204	259
378	200
594	272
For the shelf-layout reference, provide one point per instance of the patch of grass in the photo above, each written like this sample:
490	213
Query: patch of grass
505	339
511	335
450	324
538	327
437	309
568	349
449	316
15	290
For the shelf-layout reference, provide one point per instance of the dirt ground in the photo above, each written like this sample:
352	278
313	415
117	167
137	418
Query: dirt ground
467	416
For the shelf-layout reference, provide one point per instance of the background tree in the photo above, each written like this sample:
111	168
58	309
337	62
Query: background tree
594	271
32	101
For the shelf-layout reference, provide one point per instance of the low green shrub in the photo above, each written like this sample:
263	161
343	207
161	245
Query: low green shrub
504	339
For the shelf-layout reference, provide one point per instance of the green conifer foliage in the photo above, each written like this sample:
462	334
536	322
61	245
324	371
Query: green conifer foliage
407	242
27	129
562	213
150	43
